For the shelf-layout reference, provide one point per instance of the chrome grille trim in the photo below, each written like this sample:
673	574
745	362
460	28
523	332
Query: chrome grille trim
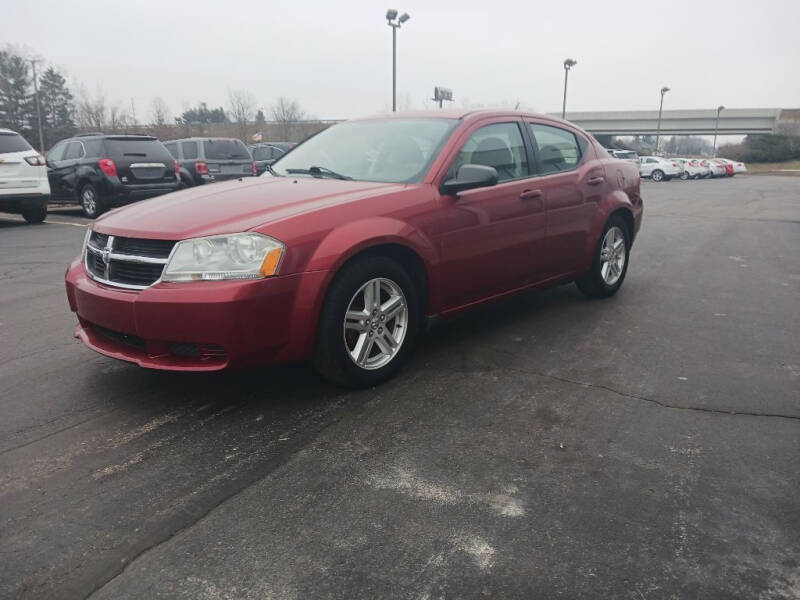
108	256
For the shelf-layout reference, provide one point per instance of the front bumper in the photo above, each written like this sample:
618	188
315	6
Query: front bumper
199	326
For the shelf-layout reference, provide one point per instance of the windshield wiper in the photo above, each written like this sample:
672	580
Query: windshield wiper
318	172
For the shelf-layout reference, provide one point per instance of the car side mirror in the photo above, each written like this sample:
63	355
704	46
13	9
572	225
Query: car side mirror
470	177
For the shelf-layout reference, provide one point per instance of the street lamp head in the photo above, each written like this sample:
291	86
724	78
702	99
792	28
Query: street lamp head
404	17
664	90
720	108
391	14
570	63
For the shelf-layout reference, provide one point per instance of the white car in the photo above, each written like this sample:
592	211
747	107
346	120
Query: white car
738	167
691	168
24	188
658	169
715	169
623	154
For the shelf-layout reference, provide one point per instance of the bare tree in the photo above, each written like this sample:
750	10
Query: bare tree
242	105
91	113
286	113
159	112
119	119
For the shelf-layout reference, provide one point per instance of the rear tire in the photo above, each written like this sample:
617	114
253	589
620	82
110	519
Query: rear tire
657	175
684	176
338	330
91	202
598	281
35	215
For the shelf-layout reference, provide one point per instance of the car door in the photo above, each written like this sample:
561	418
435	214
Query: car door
55	172
488	237
69	168
573	182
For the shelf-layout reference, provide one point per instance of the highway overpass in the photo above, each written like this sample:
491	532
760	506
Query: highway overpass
732	121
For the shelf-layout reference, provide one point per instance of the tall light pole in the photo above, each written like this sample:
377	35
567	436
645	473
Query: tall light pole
391	15
664	90
38	107
569	63
720	108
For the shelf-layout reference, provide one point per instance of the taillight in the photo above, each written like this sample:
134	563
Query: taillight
36	161
175	165
107	166
201	168
255	170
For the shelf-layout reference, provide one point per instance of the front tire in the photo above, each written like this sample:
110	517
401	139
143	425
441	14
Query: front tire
369	323
91	203
657	175
684	176
610	261
35	215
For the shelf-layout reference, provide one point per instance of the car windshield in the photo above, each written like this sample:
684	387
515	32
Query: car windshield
385	150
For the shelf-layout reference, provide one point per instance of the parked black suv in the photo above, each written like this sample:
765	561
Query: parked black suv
264	155
100	171
206	160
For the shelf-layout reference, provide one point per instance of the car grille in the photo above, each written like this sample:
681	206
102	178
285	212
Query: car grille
130	263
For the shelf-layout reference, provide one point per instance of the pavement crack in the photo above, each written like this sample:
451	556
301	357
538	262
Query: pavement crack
293	446
661	403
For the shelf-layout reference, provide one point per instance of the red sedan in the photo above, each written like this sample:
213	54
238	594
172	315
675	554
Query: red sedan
353	241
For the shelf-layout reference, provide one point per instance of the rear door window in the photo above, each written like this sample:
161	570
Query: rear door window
557	149
137	150
225	150
13	142
172	148
74	151
189	150
57	152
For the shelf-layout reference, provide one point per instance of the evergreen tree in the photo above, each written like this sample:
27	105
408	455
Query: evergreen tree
16	99
57	106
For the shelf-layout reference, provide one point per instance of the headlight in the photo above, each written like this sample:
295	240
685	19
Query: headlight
219	257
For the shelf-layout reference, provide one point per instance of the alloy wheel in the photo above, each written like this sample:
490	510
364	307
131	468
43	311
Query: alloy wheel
375	323
89	201
612	256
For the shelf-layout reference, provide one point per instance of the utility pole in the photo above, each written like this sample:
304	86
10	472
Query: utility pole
38	107
716	128
568	63
391	15
664	90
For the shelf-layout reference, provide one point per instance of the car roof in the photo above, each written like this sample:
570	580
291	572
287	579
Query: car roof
462	114
202	139
7	131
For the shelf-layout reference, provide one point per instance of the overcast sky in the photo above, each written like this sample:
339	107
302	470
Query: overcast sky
335	57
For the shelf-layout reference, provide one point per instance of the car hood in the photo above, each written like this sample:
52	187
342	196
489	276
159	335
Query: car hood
233	206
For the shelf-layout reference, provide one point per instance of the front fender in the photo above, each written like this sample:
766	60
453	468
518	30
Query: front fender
346	241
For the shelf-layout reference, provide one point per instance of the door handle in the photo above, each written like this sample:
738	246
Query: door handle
595	180
530	194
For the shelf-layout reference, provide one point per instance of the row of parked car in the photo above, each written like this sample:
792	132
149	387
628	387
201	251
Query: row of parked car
102	171
659	168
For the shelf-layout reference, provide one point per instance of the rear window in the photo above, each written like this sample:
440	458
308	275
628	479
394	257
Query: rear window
225	150
13	142
137	149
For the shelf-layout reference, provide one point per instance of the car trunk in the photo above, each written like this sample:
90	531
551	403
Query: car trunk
227	159
140	161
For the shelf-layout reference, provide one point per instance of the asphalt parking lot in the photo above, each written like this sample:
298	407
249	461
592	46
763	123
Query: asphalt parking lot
645	446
